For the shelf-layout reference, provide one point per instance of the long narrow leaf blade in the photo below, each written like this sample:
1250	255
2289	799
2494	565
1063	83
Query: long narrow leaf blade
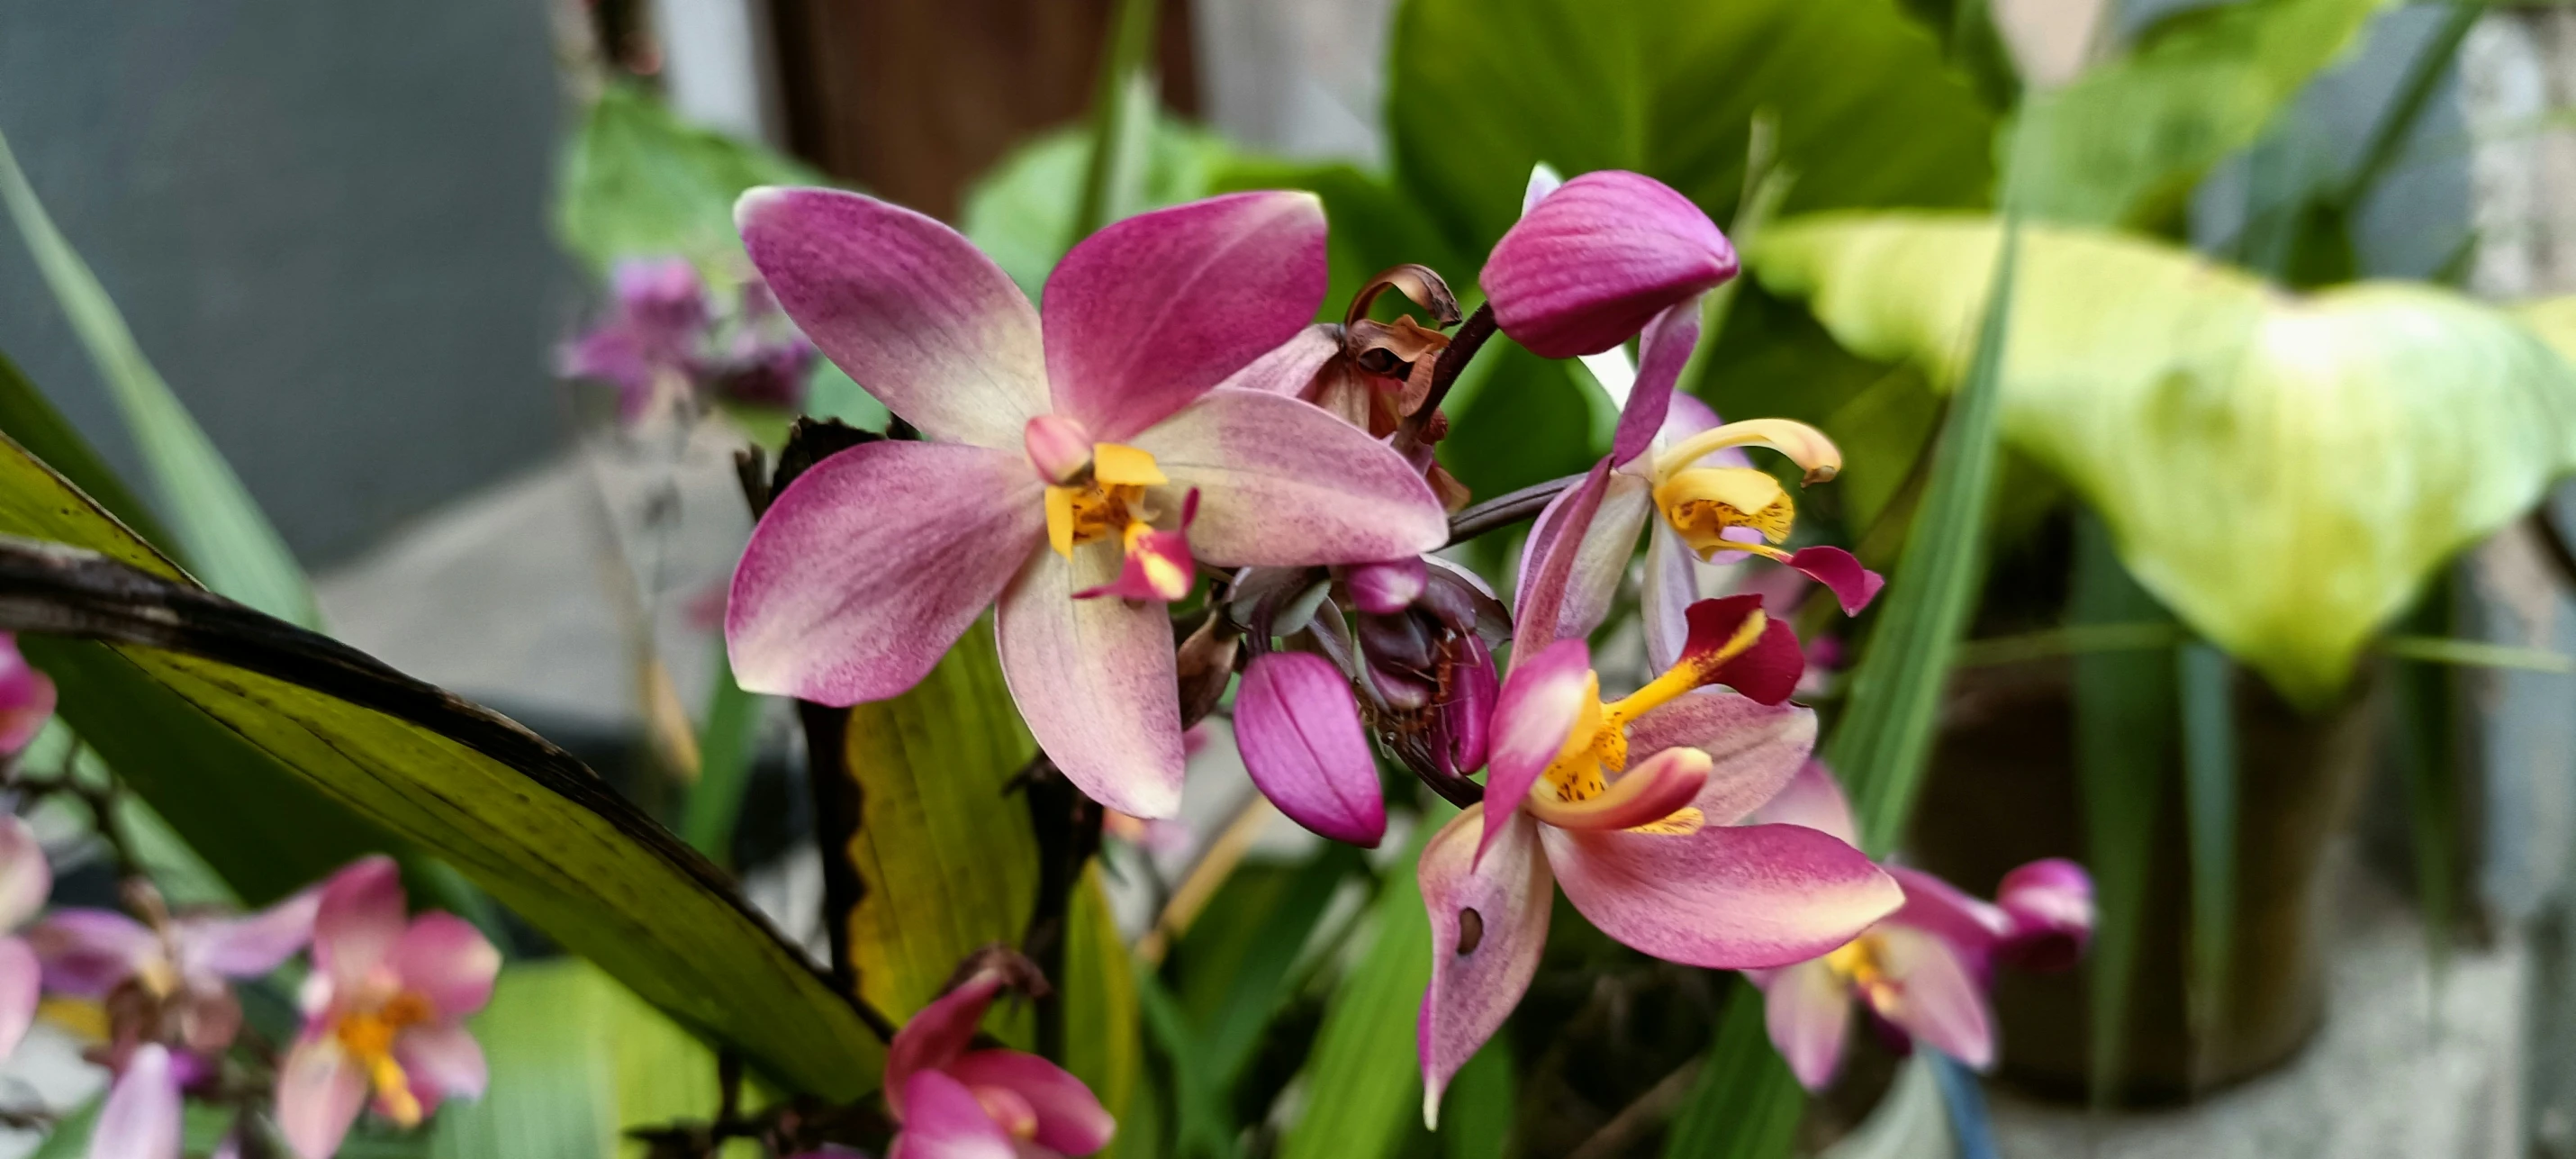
227	538
30	419
2208	681
1364	1082
1746	1104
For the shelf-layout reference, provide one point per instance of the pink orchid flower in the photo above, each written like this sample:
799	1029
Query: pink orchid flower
142	1117
1630	806
25	881
960	1103
1054	450
26	698
384	1012
1924	970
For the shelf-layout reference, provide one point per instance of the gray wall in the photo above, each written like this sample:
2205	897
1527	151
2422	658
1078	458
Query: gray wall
325	221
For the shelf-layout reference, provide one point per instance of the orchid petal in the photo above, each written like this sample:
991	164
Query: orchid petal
1290	367
360	918
1671	586
1283	483
1070	1119
25	879
1722	897
1972	928
87	952
944	1121
1543	180
911	309
1655	789
1058	447
1387	587
1158	564
1929	994
444	959
141	1118
442	1062
246	947
1541	702
1853	586
1813	799
1301	740
1095	680
871	564
1600	564
1808	1013
320	1091
937	1034
1480	965
1768	671
1151	312
1663	349
1756	749
22	979
1548	561
1588	265
1465	720
2050	909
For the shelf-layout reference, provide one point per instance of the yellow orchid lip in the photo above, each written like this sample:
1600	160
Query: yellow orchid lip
1702	503
1577	789
368	1035
1804	445
1109	502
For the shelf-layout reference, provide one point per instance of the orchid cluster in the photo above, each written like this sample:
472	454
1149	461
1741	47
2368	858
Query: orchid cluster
1167	475
671	343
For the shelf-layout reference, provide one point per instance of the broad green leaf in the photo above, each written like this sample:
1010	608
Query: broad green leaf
1373	224
943	854
1103	1037
1022	211
1746	1104
1883	740
2281	471
1868	113
638	182
2209	796
225	535
1363	1080
2125	142
2125	722
517	816
1517	419
577	1061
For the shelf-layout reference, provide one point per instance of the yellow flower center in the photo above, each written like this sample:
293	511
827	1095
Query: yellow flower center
1702	503
1856	963
1109	501
368	1035
1597	745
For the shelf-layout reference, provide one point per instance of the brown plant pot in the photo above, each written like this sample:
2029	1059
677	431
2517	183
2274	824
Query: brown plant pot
2001	791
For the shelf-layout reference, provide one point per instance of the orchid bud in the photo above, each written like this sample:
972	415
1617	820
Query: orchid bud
2050	904
664	300
1299	732
1058	447
1592	262
1384	589
1460	719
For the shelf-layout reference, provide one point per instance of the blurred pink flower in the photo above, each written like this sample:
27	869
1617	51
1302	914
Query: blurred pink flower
958	1103
384	1012
26	698
142	1116
25	881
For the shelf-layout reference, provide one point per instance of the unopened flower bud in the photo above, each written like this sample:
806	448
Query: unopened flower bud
1592	262
2050	904
1385	588
1299	732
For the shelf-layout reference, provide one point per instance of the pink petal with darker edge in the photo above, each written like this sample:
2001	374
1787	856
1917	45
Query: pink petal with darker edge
945	1122
1932	997
1814	799
938	1033
1534	716
359	919
1663	348
1723	897
1853	586
1756	749
1300	736
1480	966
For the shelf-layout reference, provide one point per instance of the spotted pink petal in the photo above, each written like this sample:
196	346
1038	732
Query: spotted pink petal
360	918
1588	265
911	309
1548	562
871	564
1649	791
1663	348
87	952
1070	1119
1151	312
1388	587
937	1034
249	946
443	958
1721	897
1480	965
1301	740
1932	996
2050	907
1853	586
1290	367
141	1118
1541	701
25	878
442	1062
1095	681
26	698
1756	749
1813	799
320	1091
1284	483
944	1121
1808	1013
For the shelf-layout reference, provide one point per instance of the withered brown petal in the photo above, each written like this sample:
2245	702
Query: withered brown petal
1418	282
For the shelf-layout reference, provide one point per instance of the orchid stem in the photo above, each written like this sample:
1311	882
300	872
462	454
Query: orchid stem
1463	345
1505	510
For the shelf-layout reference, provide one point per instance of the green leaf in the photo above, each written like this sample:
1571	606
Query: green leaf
1374	225
222	529
1363	1080
2125	721
2426	734
576	1061
1518	419
1882	742
1022	212
1869	115
940	848
2126	142
728	744
1237	958
639	182
1483	1101
1103	1035
2209	796
515	814
1746	1104
2281	471
28	417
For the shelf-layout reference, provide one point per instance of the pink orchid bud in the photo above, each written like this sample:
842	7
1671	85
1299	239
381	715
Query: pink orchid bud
1058	447
26	698
1460	722
2050	904
1299	732
663	300
1592	262
955	1100
1386	588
